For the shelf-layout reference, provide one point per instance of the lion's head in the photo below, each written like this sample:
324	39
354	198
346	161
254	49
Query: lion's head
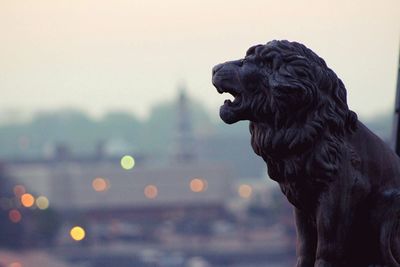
281	82
296	105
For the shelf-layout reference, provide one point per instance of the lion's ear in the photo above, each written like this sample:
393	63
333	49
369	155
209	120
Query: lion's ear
273	59
276	62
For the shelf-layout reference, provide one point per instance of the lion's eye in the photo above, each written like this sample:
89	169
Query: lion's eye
264	63
269	64
258	62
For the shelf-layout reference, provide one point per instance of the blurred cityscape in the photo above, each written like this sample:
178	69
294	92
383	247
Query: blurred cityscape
174	190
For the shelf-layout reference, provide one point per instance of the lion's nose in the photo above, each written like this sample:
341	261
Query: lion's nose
216	68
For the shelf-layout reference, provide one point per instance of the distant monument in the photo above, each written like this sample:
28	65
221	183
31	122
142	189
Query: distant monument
343	181
184	149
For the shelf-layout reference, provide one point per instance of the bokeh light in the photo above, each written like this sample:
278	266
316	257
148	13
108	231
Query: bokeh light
19	190
198	185
100	184
127	162
42	202
151	191
14	216
77	233
15	264
245	191
27	200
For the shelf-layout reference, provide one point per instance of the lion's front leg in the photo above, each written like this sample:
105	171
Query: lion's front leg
306	239
335	215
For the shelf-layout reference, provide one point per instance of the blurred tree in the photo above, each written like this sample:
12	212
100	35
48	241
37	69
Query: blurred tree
159	130
70	127
155	135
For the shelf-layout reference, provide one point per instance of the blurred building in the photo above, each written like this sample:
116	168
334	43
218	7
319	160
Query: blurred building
196	203
103	184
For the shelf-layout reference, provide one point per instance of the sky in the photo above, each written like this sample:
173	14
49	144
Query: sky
130	55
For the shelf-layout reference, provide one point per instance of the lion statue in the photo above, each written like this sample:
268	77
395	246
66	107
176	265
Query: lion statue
343	181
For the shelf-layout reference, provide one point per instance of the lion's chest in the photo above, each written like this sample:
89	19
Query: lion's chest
301	195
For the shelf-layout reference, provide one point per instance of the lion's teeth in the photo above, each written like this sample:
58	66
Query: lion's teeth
230	97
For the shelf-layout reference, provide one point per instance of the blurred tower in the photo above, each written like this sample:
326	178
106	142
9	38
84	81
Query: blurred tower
184	150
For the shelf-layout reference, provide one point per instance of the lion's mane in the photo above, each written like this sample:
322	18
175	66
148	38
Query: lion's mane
308	113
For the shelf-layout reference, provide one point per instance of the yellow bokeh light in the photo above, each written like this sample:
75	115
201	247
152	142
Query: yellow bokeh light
77	233
151	191
198	185
100	184
15	264
42	202
27	200
127	162
19	190
245	191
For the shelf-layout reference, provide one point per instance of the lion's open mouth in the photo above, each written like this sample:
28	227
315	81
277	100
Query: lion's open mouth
230	110
233	92
225	80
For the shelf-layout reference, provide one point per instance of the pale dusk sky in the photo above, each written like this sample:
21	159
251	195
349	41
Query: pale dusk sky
129	55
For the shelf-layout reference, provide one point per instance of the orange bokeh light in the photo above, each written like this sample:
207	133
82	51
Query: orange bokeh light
198	185
27	200
15	264
245	191
151	191
14	216
100	184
